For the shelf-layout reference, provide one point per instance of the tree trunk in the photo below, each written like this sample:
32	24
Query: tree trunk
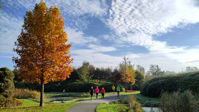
131	87
42	93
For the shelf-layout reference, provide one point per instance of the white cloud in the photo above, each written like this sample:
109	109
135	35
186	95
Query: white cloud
137	21
186	56
73	7
151	17
75	12
97	48
97	58
165	63
9	31
78	37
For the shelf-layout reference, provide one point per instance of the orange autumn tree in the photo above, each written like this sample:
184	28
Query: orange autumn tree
43	54
126	74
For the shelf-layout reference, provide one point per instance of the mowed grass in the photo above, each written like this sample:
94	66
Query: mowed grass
32	105
66	94
54	102
111	107
47	108
129	93
68	97
29	102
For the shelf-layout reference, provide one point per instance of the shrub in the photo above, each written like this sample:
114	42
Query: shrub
179	102
6	88
9	102
133	104
70	86
6	83
181	82
26	93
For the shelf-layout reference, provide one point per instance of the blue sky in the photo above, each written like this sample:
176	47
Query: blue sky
163	32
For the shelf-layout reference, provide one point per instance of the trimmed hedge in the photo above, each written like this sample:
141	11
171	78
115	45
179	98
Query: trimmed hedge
181	82
68	86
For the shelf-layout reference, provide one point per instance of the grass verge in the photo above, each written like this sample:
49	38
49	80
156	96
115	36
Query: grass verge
31	105
111	107
147	101
143	100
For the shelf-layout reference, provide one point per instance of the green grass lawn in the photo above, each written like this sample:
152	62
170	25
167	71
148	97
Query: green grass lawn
147	101
54	102
143	100
129	93
59	102
66	94
47	108
29	102
111	107
67	97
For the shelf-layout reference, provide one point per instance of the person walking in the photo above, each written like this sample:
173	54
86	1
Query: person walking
113	88
103	92
118	91
91	92
96	91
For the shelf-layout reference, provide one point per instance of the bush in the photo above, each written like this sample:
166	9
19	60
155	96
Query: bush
6	83
68	86
179	102
6	88
133	104
181	82
9	102
26	93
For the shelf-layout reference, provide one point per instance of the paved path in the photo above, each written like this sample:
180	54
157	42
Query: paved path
83	107
90	105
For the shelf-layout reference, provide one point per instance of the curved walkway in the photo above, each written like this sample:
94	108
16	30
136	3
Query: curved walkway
90	105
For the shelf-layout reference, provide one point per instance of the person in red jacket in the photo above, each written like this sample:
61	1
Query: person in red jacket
96	91
103	92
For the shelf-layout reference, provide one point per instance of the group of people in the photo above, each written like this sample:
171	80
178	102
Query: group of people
97	90
117	90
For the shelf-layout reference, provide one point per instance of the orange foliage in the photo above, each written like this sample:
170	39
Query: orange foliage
128	78
41	46
125	77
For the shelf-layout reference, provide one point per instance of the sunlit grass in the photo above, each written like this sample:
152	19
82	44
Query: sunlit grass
47	108
111	107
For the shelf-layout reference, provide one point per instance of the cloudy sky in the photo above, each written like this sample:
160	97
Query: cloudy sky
163	32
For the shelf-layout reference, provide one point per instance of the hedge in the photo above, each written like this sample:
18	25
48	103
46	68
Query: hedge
70	86
181	82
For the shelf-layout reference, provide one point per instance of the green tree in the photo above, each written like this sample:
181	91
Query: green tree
155	70
140	69
191	69
139	77
102	74
83	72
